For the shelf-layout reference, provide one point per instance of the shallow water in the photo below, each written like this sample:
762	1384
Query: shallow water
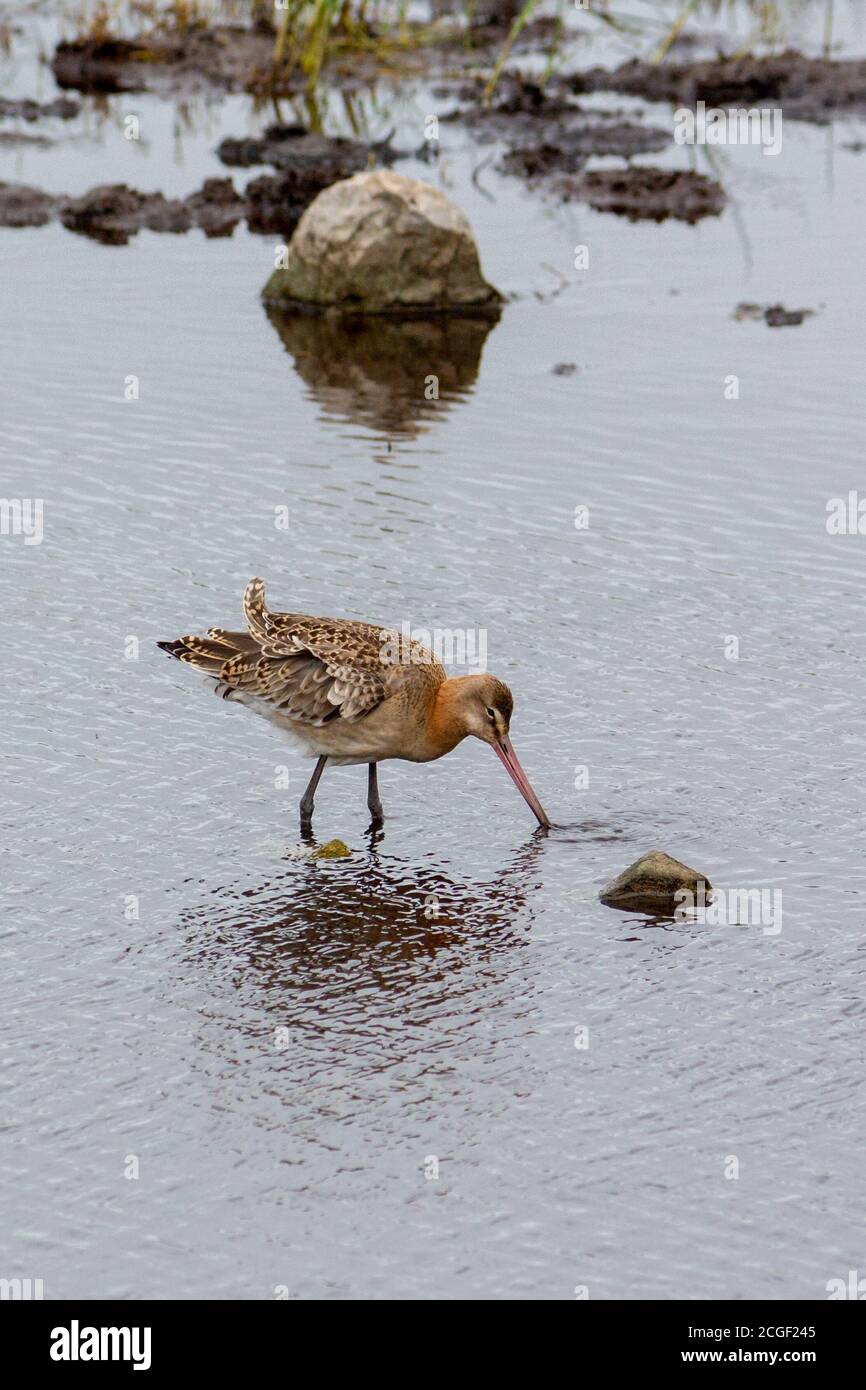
158	931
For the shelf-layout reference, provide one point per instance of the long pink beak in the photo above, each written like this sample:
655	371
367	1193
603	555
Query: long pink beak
507	756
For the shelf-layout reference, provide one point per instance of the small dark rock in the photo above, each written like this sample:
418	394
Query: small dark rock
111	213
275	202
97	65
651	884
21	206
775	315
217	207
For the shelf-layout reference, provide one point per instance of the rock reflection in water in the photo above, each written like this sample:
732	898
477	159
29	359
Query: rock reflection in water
378	371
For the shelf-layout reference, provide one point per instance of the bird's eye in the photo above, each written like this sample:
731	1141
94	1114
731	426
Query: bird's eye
491	715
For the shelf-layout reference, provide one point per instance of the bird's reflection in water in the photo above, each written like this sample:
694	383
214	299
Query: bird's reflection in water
381	920
332	994
394	376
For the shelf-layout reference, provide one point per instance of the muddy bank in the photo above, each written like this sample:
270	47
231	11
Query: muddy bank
24	109
567	151
273	203
639	192
234	58
595	138
552	138
113	213
532	119
521	106
227	57
296	149
305	164
647	194
809	89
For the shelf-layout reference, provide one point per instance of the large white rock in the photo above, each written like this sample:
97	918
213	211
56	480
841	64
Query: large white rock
382	243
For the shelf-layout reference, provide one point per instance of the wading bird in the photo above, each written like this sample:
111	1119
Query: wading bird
353	693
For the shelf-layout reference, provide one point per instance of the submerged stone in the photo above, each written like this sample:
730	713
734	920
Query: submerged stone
381	243
652	882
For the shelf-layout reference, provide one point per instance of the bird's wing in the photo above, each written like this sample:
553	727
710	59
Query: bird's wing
312	669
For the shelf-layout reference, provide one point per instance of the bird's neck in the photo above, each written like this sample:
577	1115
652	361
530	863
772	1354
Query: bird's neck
446	725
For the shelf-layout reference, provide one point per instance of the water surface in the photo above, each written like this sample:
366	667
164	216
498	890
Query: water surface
285	1047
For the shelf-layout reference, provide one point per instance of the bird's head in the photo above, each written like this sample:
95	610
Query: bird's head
484	706
481	707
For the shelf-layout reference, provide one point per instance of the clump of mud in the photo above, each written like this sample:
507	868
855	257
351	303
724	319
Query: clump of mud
21	206
553	139
296	149
548	132
232	57
775	315
809	89
306	163
272	203
23	108
644	193
226	57
112	213
569	150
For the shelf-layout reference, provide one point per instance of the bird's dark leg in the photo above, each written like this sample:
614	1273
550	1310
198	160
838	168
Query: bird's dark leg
307	799
374	805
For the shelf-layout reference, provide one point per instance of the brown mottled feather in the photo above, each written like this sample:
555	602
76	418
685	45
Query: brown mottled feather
312	670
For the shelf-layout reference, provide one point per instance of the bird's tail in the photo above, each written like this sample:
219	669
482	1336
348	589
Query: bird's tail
255	611
209	654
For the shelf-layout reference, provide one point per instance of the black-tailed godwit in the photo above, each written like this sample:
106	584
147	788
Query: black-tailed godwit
335	686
